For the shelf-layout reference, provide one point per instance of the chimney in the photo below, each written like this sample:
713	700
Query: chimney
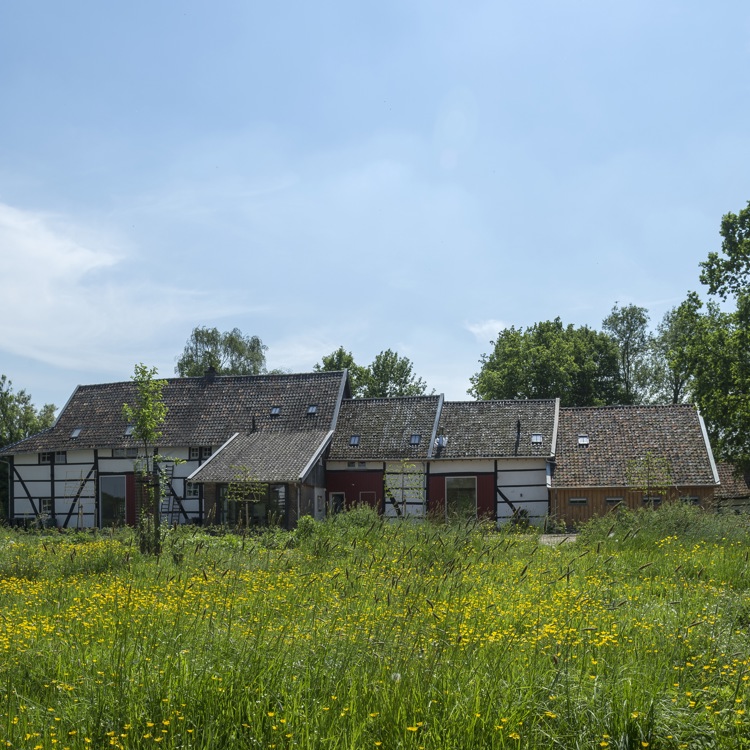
210	374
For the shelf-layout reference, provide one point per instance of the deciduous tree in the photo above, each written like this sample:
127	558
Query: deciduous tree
392	375
229	353
146	415
549	360
628	326
341	359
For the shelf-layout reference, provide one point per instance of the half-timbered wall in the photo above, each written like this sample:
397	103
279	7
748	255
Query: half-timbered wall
522	490
405	488
504	488
68	495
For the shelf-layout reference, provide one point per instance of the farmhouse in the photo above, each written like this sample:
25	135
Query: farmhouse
255	450
82	472
631	455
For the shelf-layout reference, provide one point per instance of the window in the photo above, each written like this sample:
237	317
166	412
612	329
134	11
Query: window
415	439
652	499
45	506
312	410
56	457
354	441
351	464
536	438
130	452
192	490
583	441
613	500
201	453
691	500
578	501
275	411
76	432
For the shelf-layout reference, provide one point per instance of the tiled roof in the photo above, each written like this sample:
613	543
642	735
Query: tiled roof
733	485
265	456
201	411
385	427
490	429
619	434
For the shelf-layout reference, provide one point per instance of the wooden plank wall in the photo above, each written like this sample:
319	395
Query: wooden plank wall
573	514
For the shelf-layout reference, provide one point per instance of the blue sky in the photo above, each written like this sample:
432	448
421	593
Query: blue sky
406	175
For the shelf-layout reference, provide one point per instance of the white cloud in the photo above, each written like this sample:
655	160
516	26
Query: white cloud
79	303
486	330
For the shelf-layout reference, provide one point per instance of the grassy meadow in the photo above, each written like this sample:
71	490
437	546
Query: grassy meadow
361	633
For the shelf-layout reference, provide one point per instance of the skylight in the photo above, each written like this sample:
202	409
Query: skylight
275	411
76	432
536	438
415	439
583	441
312	410
129	429
354	441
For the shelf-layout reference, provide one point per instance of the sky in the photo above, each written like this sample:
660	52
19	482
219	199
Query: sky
403	175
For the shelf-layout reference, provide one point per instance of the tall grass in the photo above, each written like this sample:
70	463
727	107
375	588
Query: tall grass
364	633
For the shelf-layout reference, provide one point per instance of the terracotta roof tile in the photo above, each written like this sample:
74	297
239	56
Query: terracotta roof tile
490	429
201	411
267	456
619	434
385	427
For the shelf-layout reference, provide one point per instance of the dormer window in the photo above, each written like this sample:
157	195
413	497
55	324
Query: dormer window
76	432
275	411
354	441
312	410
536	438
583	441
415	439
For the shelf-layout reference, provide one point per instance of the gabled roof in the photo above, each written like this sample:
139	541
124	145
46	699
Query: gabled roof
498	429
384	427
265	456
201	411
620	434
734	485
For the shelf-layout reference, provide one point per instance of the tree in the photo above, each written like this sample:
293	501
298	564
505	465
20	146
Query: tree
18	420
340	359
728	275
549	360
672	352
229	353
628	326
720	350
147	415
720	358
18	417
392	375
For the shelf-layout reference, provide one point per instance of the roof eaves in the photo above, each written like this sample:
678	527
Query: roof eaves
433	436
314	458
714	469
555	424
340	398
